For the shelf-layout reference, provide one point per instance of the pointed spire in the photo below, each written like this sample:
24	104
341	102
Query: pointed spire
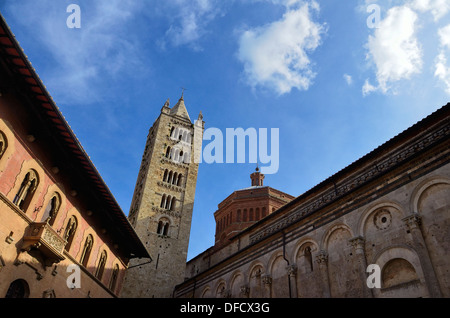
180	109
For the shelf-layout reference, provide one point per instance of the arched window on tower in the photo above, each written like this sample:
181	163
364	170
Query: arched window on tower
26	190
169	178
163	202
52	209
163	227
257	216
165	175
174	179
168	152
168	202
101	265
87	248
172	204
179	179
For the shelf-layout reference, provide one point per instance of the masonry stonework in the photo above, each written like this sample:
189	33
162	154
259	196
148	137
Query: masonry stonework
162	205
390	208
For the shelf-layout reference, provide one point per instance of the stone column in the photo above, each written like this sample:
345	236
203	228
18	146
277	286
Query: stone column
267	281
292	276
358	247
413	223
322	260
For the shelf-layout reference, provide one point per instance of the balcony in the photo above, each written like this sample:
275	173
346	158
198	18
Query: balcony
40	236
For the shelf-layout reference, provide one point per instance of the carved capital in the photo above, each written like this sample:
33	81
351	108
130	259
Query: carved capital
245	290
322	258
291	270
357	243
413	221
267	279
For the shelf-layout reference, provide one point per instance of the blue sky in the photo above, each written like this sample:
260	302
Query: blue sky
334	85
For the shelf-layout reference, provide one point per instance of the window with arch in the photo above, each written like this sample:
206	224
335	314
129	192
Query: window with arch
168	152
101	265
179	180
87	248
3	144
52	209
163	227
163	202
172	204
168	202
114	276
69	232
18	289
309	259
166	172
26	190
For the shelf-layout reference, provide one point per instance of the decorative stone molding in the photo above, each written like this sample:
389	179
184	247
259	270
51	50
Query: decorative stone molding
267	279
291	270
413	221
322	258
357	243
245	290
175	214
170	186
356	180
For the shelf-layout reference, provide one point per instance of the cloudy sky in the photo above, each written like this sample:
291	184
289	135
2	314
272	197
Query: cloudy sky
338	78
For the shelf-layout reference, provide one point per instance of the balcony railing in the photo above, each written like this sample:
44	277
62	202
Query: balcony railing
42	237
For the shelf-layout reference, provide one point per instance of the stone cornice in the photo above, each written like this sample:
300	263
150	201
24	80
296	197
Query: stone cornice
357	179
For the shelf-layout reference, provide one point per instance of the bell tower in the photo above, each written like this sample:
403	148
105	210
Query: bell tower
163	201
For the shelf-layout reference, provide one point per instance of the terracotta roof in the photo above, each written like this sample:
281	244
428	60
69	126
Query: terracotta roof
21	66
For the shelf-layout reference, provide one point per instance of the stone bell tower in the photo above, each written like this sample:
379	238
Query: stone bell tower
163	201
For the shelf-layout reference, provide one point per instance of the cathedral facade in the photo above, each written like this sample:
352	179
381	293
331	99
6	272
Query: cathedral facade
378	228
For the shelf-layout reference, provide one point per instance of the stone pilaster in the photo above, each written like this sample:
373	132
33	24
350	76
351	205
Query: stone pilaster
322	260
358	247
413	223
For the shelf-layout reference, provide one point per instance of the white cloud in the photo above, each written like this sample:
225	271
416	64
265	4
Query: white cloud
438	8
444	36
394	49
348	79
368	88
276	55
189	21
442	70
83	58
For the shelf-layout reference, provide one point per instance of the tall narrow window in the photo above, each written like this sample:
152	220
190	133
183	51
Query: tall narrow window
69	233
163	202
174	179
168	152
172	204
101	265
168	202
87	248
308	257
179	180
114	276
26	190
3	144
52	209
165	175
